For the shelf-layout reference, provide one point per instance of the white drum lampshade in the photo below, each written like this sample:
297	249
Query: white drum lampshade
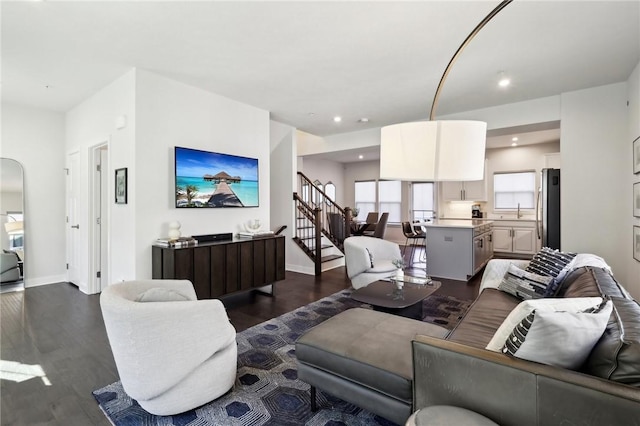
444	150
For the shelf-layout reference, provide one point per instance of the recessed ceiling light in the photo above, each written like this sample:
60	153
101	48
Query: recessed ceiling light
514	139
337	119
503	80
363	120
360	157
514	144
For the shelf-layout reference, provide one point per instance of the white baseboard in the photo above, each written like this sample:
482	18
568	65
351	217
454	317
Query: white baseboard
37	282
301	269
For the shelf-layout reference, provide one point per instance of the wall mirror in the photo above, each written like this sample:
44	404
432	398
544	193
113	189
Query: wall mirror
12	229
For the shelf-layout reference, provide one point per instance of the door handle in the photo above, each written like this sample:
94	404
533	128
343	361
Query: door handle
76	226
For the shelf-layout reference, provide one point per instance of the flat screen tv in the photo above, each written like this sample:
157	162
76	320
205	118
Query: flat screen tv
212	179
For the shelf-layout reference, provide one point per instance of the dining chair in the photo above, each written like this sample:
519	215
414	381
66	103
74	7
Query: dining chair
413	238
381	226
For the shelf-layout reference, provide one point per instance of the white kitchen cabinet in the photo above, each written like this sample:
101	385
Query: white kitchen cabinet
502	240
457	249
515	239
464	191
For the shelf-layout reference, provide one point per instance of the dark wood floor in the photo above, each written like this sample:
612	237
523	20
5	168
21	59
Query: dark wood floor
57	332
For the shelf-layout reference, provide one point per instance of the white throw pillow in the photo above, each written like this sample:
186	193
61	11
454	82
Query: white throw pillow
569	304
158	294
563	339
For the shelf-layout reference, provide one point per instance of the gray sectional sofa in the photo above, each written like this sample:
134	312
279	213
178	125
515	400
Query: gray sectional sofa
456	370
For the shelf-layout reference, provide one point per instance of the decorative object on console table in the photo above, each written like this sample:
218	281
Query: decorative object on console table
174	230
636	199
121	186
636	243
636	155
176	242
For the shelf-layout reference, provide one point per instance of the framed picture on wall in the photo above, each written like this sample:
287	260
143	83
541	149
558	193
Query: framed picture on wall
636	243
636	199
636	155
121	186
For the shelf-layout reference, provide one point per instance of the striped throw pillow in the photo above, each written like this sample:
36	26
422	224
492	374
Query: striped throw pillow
551	263
524	285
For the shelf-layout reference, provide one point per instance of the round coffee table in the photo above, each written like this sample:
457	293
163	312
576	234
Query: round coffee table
396	297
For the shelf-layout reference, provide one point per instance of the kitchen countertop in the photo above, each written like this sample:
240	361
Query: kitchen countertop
501	219
457	223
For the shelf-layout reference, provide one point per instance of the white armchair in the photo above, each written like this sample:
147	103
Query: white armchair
173	352
9	269
359	263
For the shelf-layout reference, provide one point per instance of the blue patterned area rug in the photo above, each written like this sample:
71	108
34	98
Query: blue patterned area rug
267	390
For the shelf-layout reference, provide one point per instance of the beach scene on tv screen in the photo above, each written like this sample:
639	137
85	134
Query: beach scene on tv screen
210	179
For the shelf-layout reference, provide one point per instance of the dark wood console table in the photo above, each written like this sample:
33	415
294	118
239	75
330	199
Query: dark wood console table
223	267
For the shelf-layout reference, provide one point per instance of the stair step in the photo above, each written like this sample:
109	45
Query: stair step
330	257
306	227
326	246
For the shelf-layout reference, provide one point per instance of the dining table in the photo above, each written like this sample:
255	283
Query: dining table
358	228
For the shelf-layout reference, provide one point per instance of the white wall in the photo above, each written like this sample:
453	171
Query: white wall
89	124
311	144
172	114
595	199
325	171
283	174
35	138
632	280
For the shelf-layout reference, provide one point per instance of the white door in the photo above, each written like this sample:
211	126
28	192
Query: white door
502	239
99	239
73	219
524	240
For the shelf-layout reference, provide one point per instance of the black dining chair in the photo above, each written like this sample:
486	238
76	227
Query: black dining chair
413	238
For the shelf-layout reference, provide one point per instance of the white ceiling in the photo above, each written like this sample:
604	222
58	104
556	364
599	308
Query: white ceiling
306	62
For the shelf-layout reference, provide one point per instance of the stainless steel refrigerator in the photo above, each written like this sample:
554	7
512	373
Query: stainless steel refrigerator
548	209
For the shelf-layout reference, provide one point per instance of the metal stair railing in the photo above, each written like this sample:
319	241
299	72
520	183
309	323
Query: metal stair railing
313	211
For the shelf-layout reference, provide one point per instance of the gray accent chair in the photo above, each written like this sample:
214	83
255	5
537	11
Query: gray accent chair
9	269
173	352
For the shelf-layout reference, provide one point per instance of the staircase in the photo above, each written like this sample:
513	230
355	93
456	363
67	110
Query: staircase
318	216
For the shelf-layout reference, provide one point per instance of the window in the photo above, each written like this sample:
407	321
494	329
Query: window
381	196
511	190
330	191
422	200
365	198
390	199
316	197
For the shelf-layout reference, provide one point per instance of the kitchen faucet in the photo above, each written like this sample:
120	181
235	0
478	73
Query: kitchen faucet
519	214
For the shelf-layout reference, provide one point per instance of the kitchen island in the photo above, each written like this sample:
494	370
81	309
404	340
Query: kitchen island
458	249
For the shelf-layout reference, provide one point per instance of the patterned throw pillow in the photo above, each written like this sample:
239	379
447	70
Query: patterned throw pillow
563	339
524	285
551	263
568	304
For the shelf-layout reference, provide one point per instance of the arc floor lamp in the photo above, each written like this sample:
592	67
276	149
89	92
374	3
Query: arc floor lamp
437	150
